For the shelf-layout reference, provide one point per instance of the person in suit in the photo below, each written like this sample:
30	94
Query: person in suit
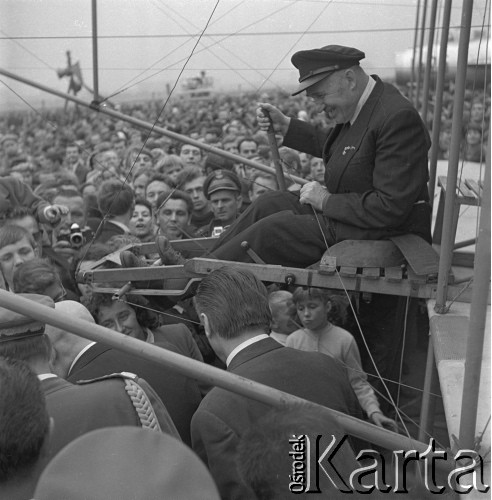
81	359
25	428
376	167
77	409
116	202
233	307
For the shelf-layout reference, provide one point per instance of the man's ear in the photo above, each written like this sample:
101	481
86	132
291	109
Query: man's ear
46	448
206	324
239	202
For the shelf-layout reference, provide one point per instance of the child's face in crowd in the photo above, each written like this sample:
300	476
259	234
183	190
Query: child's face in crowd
313	313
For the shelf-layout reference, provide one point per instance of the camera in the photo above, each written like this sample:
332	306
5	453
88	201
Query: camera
75	237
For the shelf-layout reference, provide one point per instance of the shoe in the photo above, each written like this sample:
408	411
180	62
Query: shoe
129	259
167	254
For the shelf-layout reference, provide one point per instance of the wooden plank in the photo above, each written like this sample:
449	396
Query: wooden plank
371	273
419	254
393	274
348	271
366	253
416	278
473	185
465	190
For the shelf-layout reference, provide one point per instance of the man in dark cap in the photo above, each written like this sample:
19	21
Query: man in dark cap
376	167
375	180
223	189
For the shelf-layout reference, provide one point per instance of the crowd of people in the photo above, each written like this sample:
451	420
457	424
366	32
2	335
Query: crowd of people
79	188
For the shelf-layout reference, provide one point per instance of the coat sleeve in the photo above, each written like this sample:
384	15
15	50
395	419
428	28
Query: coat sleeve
22	195
215	443
358	379
398	164
304	137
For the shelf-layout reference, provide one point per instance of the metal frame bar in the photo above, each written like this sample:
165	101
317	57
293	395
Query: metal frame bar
195	269
428	64
150	127
95	64
436	122
478	314
421	49
454	158
210	374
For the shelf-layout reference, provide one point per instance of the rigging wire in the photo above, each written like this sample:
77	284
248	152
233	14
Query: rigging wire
184	43
373	362
221	46
225	36
295	43
105	216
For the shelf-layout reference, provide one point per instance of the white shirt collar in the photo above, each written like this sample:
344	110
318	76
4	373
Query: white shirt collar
243	345
44	376
121	225
79	355
363	99
150	339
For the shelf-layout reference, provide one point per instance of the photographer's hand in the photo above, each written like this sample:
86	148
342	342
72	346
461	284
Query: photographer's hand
54	213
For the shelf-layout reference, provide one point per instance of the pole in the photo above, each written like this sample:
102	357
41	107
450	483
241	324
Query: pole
447	240
478	314
421	49
95	65
411	97
148	126
272	140
198	370
428	63
441	77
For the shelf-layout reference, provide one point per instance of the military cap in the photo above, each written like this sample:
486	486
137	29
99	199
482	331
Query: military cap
14	326
221	180
316	64
126	463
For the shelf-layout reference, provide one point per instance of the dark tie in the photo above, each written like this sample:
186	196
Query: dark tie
341	132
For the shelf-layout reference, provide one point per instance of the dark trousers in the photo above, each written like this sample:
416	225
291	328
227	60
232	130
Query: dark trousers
279	229
284	232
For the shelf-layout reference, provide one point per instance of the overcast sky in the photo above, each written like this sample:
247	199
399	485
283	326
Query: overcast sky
144	44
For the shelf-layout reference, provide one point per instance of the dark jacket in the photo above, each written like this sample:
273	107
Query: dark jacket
377	172
223	415
180	394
